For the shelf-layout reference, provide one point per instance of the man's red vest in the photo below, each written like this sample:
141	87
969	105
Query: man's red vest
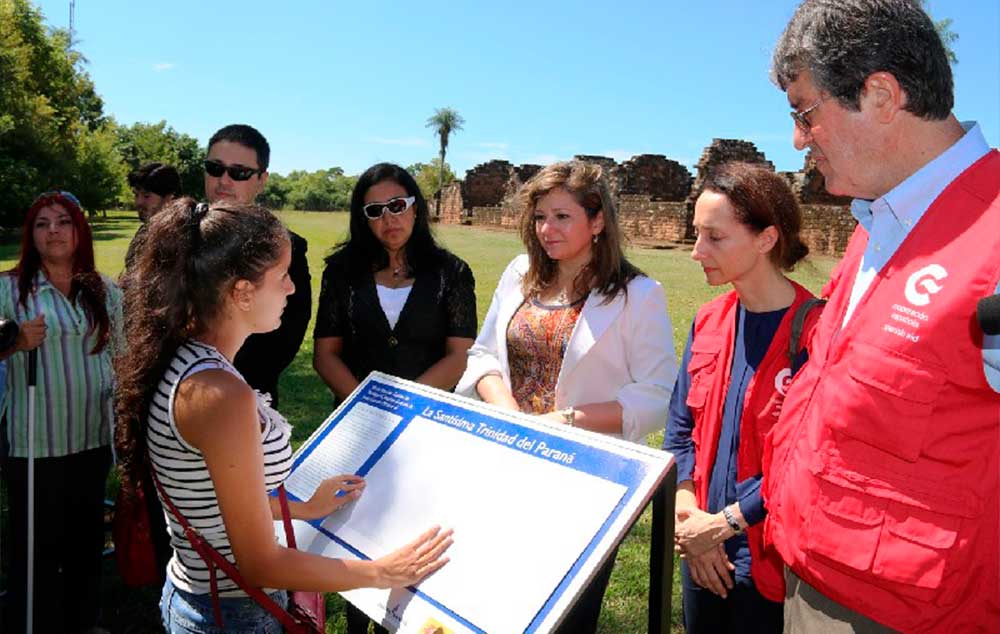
709	367
882	477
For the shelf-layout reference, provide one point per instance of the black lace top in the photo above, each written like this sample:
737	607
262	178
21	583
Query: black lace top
441	304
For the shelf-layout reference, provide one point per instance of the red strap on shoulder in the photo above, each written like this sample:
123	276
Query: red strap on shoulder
213	559
286	517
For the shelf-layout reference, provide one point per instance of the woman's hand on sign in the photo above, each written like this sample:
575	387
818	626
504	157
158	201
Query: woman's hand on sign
331	494
416	560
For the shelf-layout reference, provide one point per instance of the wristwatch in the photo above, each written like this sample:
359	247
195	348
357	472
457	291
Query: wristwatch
569	414
731	520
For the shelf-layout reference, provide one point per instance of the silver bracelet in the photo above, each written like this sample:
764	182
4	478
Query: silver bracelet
731	520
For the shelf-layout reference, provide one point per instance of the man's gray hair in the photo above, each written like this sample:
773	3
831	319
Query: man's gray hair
842	42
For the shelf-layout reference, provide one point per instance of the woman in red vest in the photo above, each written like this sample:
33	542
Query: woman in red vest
729	392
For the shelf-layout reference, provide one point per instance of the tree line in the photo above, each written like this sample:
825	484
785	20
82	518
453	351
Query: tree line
330	189
53	130
55	134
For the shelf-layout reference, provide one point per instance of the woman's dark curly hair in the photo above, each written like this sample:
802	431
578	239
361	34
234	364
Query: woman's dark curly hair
192	256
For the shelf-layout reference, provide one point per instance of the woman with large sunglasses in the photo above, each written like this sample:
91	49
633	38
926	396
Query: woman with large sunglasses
71	316
576	333
392	300
734	373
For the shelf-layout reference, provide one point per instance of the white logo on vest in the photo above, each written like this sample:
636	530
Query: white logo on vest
924	283
781	381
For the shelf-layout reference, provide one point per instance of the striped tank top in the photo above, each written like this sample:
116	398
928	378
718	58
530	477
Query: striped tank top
182	471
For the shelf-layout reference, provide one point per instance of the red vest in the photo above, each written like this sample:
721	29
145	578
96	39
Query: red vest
882	477
709	367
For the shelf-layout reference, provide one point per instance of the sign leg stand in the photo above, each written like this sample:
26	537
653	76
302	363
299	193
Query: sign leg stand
661	555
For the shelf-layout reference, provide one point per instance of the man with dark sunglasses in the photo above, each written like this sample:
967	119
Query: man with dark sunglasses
236	165
236	170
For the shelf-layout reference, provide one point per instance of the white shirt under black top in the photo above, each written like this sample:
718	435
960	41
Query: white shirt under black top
392	301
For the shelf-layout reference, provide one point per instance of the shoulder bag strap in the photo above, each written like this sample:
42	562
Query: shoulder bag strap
213	559
798	325
286	517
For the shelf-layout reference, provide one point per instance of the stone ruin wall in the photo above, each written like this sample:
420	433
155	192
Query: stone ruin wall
643	219
501	216
827	223
451	204
655	196
653	175
826	229
486	184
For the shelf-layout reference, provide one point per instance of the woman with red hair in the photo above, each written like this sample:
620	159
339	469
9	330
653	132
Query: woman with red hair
71	315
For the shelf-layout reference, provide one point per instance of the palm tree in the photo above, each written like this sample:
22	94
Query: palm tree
444	121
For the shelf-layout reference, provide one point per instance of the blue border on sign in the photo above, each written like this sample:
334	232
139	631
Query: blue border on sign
569	453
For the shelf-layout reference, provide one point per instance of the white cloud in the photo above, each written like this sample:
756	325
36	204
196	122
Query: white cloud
404	141
162	66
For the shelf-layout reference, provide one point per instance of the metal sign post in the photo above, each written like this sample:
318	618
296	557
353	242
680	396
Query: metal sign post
661	555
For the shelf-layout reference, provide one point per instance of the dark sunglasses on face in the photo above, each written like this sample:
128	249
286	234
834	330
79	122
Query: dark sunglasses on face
216	169
395	206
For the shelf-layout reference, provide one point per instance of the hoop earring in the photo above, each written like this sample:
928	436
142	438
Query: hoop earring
595	238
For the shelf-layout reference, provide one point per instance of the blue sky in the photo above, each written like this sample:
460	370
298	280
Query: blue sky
347	84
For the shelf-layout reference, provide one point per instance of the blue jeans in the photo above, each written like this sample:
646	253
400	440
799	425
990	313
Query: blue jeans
186	613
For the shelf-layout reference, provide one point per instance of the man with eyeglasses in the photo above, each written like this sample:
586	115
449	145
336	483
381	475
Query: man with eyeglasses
882	476
236	170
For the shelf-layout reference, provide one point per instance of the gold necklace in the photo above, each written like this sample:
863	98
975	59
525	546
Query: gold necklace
566	308
562	298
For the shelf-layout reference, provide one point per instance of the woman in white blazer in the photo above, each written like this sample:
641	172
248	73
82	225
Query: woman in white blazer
575	332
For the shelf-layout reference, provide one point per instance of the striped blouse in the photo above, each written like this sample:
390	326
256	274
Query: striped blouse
73	397
182	471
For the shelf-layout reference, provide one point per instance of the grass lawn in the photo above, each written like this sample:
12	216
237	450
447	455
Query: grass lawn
306	402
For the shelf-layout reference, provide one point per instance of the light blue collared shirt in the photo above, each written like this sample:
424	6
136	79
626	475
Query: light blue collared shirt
890	218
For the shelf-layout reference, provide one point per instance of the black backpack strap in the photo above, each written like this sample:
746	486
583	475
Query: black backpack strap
798	325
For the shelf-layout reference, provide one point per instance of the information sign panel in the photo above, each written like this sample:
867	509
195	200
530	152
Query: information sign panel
535	506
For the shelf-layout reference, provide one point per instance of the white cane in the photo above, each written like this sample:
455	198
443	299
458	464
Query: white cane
8	337
32	377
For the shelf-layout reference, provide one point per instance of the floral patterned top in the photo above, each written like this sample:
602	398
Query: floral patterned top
537	336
